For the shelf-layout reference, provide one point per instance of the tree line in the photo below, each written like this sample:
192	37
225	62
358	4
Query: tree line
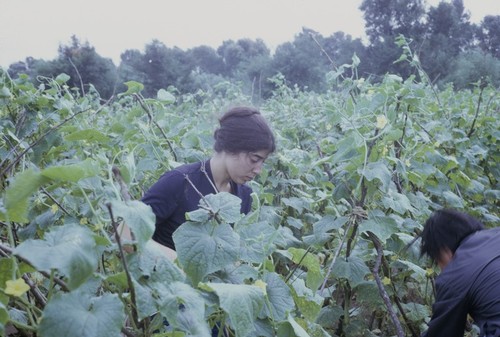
451	51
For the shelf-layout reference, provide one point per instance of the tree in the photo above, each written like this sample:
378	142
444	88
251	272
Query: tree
233	53
303	62
207	60
448	32
385	20
159	67
78	60
488	35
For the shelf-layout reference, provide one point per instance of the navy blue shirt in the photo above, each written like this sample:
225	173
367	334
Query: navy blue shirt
469	284
172	196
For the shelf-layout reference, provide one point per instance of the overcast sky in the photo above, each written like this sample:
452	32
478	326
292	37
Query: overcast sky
37	27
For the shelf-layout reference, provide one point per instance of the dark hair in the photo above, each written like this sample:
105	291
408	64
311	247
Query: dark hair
243	129
446	228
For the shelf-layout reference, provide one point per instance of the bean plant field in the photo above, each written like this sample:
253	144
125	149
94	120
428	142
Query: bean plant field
330	247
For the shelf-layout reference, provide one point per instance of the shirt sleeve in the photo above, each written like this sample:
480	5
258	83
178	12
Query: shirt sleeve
449	315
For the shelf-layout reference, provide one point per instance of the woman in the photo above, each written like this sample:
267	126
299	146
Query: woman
243	142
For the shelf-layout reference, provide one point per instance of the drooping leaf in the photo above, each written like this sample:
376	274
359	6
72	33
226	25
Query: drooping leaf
311	263
280	301
397	202
74	315
241	302
73	172
138	217
378	170
70	249
382	226
257	241
184	308
18	194
205	248
225	205
354	270
90	135
133	87
308	302
165	96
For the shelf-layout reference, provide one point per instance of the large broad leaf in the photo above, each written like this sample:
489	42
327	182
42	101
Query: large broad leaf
69	249
378	170
257	241
138	217
90	135
18	193
73	172
280	300
308	302
205	248
323	228
241	302
183	307
397	202
151	264
74	315
382	226
354	270
311	263
226	206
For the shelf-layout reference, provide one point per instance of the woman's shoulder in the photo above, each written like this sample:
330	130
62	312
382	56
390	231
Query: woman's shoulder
184	169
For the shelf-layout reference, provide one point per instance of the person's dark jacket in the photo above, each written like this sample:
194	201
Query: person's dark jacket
469	284
172	196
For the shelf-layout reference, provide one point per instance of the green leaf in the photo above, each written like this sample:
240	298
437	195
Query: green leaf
354	270
72	173
241	302
150	263
205	248
280	301
184	308
165	96
323	228
257	241
297	328
452	199
62	78
397	202
4	318
133	87
91	135
71	315
18	193
6	274
138	217
378	170
70	249
382	226
308	302
311	263
225	205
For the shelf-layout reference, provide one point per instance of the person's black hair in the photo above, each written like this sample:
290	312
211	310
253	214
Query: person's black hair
446	228
243	129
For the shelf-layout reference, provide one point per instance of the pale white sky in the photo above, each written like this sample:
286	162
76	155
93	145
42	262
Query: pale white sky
37	27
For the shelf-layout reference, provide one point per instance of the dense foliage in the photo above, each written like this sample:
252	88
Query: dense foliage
328	250
442	37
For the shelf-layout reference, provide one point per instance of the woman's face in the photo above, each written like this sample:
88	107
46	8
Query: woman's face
245	166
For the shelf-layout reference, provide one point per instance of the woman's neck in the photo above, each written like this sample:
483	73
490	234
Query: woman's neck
221	177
